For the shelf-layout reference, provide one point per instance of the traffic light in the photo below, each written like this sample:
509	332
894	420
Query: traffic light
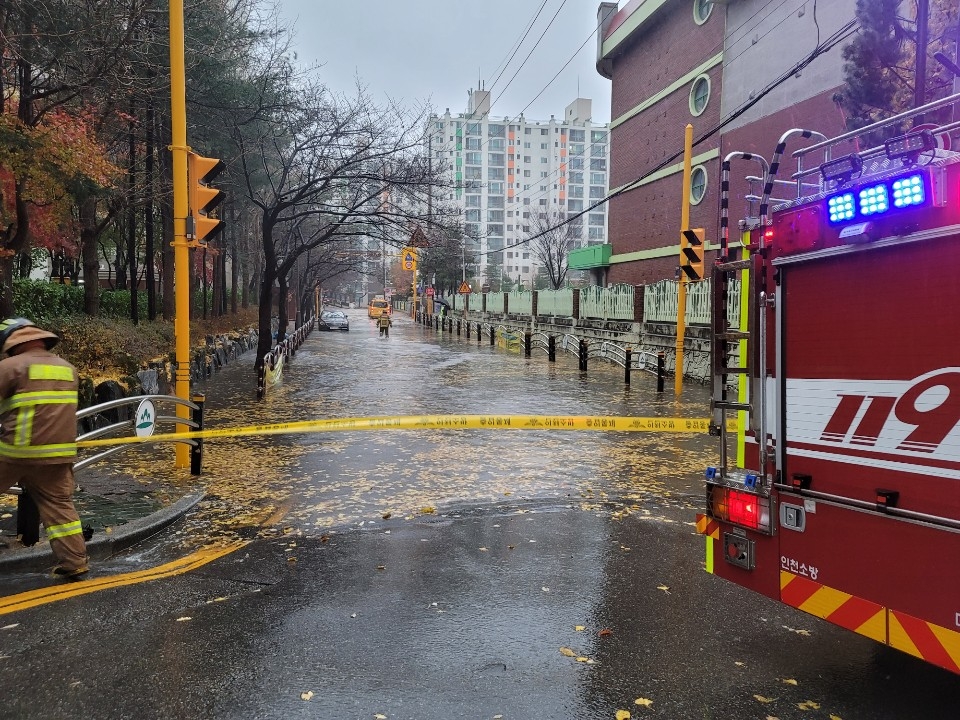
203	197
691	255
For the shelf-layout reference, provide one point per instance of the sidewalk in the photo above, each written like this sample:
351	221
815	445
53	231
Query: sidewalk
122	509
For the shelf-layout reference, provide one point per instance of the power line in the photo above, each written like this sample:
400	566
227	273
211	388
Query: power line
831	42
523	37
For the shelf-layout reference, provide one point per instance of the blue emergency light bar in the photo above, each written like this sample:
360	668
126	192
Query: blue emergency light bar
873	200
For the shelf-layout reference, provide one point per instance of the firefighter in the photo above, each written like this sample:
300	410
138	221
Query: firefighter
383	322
38	435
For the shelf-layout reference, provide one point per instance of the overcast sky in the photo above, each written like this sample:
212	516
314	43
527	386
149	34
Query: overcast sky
436	50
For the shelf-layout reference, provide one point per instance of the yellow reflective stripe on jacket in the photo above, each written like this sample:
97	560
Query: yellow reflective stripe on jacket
39	397
59	531
51	372
38	452
23	428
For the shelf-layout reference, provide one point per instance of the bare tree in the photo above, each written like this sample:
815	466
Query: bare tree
325	168
551	245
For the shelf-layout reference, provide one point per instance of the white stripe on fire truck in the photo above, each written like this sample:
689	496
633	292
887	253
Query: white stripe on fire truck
921	466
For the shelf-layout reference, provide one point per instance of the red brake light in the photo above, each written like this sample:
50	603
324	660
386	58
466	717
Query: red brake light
741	508
744	509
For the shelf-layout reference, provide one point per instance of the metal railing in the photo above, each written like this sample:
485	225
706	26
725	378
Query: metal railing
271	369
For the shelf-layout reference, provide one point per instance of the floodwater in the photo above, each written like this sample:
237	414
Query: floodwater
321	481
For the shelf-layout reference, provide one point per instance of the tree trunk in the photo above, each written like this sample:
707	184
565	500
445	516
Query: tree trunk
90	254
282	308
6	287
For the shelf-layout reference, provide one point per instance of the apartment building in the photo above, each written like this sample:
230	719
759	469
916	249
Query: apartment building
513	177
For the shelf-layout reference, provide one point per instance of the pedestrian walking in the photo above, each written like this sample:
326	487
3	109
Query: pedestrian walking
38	435
384	323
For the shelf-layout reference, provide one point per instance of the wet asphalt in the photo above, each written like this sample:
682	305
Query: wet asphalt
444	574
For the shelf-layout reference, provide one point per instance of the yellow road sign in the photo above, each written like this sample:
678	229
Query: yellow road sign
464	288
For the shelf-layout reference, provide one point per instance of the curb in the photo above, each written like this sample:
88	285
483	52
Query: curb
39	559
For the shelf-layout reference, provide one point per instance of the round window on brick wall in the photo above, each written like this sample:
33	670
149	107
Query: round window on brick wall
698	184
702	10
699	95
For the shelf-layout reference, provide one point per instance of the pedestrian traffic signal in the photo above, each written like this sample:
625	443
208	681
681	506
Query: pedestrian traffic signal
691	255
202	225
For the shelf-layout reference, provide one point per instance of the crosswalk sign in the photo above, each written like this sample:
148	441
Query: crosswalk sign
409	258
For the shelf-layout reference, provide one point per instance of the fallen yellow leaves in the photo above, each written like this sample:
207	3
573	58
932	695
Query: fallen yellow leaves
789	681
428	510
623	715
809	705
567	652
380	716
184	618
644	702
308	695
579	628
761	698
665	588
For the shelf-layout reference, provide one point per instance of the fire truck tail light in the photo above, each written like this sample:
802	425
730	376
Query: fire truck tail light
741	508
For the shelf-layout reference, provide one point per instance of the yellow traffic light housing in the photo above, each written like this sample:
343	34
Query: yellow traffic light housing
691	255
203	198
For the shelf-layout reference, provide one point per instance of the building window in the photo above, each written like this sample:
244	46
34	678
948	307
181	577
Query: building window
597	192
598	178
699	95
526	173
598	164
596	233
702	10
496	130
496	144
575	205
496	230
495	216
495	201
598	151
526	158
473	128
495	188
474	158
472	216
595	219
544	160
496	159
698	184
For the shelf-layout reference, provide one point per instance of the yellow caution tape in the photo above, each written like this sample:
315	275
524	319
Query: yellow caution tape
597	423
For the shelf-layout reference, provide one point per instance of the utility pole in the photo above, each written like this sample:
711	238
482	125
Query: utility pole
181	263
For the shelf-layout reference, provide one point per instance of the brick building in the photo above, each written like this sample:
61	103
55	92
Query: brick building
741	72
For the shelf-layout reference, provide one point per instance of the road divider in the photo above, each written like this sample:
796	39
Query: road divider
431	422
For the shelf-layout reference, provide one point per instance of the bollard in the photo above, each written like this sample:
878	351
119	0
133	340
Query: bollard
661	365
262	381
582	352
479	333
468	329
196	450
458	327
552	348
628	354
436	322
493	335
526	344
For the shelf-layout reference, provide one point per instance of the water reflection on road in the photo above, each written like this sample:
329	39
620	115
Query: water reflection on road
320	481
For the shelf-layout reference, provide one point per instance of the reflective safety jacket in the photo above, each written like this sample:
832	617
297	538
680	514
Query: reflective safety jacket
38	408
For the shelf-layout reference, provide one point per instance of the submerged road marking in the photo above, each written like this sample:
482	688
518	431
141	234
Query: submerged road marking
594	423
55	593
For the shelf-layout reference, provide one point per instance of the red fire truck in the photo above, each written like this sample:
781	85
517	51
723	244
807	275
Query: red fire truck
836	386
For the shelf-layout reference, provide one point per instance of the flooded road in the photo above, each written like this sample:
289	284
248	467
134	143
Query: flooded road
324	481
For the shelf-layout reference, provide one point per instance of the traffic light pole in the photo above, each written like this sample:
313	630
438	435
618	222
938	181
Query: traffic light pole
181	261
682	286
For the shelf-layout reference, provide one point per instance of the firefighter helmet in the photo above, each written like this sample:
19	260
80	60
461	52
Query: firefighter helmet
16	331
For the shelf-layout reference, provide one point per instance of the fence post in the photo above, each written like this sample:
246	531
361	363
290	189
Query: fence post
468	329
626	365
583	350
458	327
526	344
262	380
661	371
492	334
196	451
552	348
479	333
